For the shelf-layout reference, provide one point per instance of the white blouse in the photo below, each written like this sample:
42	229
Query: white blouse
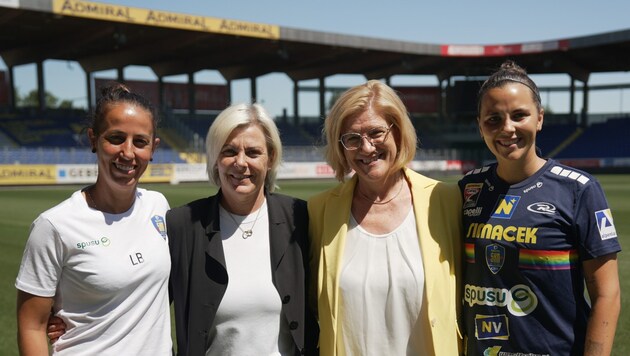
382	291
249	320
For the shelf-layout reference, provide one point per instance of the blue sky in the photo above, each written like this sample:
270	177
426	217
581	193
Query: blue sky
438	22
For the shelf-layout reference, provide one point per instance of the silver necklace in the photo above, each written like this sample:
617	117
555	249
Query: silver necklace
246	233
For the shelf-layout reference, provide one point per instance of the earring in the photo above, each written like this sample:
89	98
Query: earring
151	159
93	150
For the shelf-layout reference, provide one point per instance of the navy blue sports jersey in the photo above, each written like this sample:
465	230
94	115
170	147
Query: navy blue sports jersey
524	290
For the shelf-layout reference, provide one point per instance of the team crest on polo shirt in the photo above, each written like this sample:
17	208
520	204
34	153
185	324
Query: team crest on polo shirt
495	256
160	225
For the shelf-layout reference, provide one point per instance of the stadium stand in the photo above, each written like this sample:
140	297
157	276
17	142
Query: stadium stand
29	131
57	137
553	136
70	155
607	139
198	123
54	137
292	135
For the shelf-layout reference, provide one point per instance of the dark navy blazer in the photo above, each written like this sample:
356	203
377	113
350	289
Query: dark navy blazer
199	277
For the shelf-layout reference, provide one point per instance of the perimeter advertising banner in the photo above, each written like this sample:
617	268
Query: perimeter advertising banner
28	174
302	170
76	173
192	172
86	173
16	174
175	173
158	173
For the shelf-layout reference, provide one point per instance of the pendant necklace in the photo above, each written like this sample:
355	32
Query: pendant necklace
246	233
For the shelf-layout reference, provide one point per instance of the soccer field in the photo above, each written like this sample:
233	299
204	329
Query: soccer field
19	206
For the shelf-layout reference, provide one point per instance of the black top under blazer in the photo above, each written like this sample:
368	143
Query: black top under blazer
199	277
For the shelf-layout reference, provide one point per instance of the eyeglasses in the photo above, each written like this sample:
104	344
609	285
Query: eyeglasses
352	140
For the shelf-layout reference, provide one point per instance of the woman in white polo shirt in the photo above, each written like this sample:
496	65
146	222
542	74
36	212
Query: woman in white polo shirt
99	260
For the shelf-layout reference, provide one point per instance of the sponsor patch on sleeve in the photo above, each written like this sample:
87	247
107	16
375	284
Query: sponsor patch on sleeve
605	224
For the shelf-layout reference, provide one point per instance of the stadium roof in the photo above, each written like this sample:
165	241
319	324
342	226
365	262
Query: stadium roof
103	36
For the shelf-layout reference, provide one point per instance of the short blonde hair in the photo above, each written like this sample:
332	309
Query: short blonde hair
384	101
240	116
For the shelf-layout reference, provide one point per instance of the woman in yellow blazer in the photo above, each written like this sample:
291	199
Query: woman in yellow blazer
385	244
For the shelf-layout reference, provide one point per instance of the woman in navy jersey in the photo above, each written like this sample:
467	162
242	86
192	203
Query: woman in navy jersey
540	243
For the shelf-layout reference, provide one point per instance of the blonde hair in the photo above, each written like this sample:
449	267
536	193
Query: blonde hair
382	100
240	116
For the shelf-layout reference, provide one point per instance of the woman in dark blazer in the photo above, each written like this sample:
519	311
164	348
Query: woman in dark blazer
239	259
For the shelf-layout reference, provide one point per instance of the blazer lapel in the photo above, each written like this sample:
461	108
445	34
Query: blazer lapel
336	218
279	231
210	291
211	223
421	193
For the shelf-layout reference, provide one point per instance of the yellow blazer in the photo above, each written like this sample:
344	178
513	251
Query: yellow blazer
437	209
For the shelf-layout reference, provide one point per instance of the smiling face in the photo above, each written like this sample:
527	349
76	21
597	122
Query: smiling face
508	122
371	162
243	164
125	145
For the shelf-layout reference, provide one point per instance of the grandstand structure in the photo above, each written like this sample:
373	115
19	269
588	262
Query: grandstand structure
105	36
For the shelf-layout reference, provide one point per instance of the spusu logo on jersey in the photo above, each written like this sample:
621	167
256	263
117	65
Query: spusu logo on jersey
519	300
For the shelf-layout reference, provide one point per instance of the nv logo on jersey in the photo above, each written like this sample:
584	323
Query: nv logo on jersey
491	327
506	206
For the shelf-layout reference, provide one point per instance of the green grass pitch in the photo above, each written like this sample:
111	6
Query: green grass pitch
19	206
